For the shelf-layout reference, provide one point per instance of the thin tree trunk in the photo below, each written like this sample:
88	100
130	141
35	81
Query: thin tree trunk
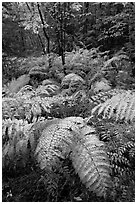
42	45
61	35
64	27
46	36
86	8
44	29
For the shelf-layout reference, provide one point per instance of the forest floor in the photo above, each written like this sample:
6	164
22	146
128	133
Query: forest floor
64	185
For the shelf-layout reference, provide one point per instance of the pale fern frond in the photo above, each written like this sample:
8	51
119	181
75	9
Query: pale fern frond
120	106
72	135
115	62
38	71
26	90
47	82
36	131
55	141
68	79
47	90
130	114
91	162
16	84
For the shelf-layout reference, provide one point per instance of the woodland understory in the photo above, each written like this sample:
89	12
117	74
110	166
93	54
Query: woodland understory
68	102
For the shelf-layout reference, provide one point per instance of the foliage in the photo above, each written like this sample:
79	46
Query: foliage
68	100
16	85
98	86
91	162
116	27
121	107
15	147
57	145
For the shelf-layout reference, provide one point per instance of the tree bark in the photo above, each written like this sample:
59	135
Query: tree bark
44	29
42	45
86	8
61	35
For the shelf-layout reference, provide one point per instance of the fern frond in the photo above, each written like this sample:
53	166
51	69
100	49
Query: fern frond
88	153
55	142
47	82
15	147
115	61
71	78
16	85
47	90
120	106
37	70
102	96
36	131
91	162
26	89
100	85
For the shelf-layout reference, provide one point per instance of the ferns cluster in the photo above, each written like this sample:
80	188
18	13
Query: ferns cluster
51	123
119	140
69	137
15	143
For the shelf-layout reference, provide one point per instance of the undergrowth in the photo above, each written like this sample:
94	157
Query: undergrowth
66	137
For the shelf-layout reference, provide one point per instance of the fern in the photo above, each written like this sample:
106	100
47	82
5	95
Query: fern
16	85
55	141
119	142
102	96
71	78
102	85
48	81
88	155
47	90
36	131
38	71
91	162
120	107
15	142
115	62
27	106
26	90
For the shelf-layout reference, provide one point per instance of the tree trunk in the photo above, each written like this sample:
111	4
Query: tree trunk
44	29
61	35
86	8
42	45
46	36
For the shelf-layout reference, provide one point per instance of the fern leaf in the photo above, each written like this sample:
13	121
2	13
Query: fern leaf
25	89
41	91
36	131
69	122
47	82
91	162
52	87
72	78
45	106
36	110
120	106
130	114
113	106
121	110
21	147
15	148
16	85
55	142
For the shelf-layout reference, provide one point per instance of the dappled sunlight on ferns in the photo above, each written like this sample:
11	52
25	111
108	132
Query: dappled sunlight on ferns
120	107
